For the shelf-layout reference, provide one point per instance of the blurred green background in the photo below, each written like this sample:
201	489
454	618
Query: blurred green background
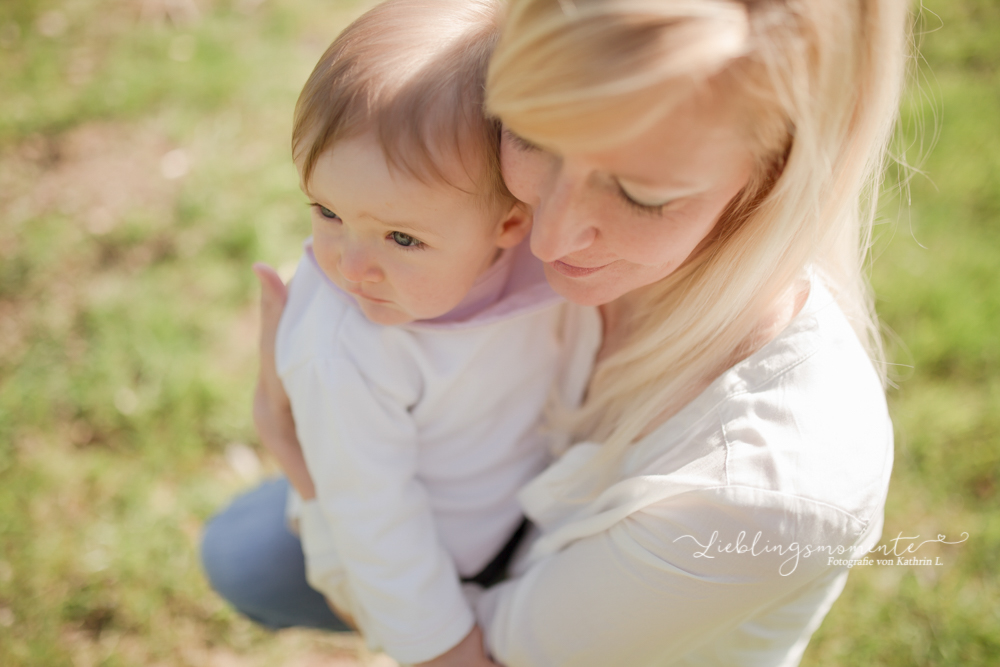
144	166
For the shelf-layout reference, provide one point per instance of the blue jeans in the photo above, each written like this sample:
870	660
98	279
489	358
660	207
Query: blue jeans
253	561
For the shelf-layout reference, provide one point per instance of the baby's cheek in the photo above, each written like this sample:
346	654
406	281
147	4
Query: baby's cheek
667	240
327	257
427	294
433	294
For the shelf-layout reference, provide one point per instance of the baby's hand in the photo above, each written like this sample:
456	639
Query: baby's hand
272	413
470	652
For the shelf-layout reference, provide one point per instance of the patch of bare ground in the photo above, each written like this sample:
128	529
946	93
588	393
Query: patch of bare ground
83	184
94	175
236	351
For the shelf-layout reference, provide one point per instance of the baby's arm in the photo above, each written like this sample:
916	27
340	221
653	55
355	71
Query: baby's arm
273	419
370	538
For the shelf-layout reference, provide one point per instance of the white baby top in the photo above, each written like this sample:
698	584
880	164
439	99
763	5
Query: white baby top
724	540
417	438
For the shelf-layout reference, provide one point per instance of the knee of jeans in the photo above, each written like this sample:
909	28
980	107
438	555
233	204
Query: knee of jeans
221	569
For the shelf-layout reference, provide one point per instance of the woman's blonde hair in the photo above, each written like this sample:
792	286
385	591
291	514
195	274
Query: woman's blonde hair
819	83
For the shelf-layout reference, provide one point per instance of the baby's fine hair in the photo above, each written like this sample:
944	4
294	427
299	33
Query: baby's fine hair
411	72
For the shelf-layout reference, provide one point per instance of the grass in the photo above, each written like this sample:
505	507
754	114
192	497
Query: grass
144	166
937	276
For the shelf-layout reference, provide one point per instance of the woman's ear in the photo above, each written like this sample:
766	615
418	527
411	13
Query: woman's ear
514	226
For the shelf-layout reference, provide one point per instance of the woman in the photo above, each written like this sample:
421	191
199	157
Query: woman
695	169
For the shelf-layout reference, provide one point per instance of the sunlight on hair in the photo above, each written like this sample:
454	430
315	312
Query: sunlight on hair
819	85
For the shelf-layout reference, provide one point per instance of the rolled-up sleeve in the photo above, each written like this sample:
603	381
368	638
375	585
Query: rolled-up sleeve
640	594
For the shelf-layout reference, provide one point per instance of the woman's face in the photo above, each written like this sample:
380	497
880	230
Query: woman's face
609	222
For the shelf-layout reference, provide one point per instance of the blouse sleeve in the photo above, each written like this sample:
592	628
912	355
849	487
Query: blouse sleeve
378	546
640	594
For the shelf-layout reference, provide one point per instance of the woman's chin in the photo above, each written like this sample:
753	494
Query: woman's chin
591	290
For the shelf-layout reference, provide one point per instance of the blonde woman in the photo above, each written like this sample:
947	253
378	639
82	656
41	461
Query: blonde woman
703	172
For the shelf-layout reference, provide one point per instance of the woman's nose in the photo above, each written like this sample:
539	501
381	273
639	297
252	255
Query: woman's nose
562	224
358	265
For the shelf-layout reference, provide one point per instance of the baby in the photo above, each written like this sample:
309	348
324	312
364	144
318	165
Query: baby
420	339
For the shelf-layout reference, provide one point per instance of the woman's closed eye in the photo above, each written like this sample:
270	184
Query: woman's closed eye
639	205
405	240
520	142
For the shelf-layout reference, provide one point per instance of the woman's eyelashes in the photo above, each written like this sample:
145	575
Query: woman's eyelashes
520	142
644	208
639	206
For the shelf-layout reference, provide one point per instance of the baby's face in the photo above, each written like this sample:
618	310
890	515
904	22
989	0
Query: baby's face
405	250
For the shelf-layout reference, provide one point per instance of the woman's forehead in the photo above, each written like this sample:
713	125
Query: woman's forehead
700	137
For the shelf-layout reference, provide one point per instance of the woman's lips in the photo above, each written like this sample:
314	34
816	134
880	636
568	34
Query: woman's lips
575	271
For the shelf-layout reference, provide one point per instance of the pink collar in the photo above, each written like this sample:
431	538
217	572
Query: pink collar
513	286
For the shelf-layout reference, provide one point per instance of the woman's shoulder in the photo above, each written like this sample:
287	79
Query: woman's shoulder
805	418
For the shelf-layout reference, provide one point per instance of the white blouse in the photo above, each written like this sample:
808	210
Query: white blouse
725	538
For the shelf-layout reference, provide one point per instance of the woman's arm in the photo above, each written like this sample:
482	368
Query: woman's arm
639	594
272	412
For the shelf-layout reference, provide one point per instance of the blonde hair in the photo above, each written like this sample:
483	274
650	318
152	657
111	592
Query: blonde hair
412	72
819	82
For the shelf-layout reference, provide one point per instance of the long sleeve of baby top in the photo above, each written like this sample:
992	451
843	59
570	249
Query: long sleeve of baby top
725	536
417	438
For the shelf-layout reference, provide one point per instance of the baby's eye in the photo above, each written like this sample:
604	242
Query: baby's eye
326	213
405	240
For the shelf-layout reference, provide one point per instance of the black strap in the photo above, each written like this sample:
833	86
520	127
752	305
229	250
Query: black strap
496	570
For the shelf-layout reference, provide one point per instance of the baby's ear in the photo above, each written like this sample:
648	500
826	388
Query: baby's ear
514	227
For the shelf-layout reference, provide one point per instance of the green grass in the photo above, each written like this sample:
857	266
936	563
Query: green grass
937	276
127	331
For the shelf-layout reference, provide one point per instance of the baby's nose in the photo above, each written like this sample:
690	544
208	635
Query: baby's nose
357	265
